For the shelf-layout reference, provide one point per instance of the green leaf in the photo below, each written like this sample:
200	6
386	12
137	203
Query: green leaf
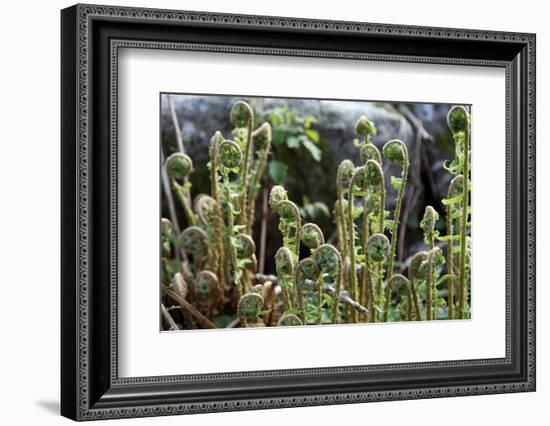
238	228
224	320
186	187
449	238
359	193
234	170
292	142
309	120
396	183
234	210
445	278
328	300
277	117
277	171
356	212
313	135
313	149
243	263
310	211
451	201
278	136
388	224
322	208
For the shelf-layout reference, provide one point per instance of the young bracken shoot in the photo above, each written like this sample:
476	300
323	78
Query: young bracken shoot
209	272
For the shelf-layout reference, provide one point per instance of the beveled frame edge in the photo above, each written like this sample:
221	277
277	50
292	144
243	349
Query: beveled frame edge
75	200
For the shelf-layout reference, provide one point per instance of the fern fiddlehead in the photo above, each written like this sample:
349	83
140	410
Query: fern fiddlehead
328	260
262	143
194	241
428	226
289	320
458	120
245	249
367	152
417	271
343	178
312	236
230	155
396	152
284	265
374	177
290	225
357	183
178	168
454	196
209	213
377	249
398	281
306	270
242	116
219	223
249	310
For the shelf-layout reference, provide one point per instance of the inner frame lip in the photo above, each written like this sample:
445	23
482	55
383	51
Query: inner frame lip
162	94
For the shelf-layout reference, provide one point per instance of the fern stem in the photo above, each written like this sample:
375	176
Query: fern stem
231	246
430	288
417	310
464	223
320	299
300	298
351	247
409	304
263	230
256	184
218	221
339	279
371	298
365	276
184	202
379	269
396	217
244	175
343	225
450	260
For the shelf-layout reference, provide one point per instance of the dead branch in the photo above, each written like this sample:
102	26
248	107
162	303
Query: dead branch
166	315
185	305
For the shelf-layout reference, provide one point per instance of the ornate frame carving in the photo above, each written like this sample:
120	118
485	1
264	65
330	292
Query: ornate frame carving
84	397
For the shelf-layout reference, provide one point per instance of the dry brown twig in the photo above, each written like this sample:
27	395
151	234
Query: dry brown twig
185	305
166	315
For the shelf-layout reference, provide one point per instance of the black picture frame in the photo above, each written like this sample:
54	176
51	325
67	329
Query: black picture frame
90	386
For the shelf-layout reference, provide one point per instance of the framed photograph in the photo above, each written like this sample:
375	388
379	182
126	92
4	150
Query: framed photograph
263	212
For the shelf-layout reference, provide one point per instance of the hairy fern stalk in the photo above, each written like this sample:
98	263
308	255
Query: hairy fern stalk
209	270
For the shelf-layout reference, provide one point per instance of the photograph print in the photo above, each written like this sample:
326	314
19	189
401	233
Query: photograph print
283	212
